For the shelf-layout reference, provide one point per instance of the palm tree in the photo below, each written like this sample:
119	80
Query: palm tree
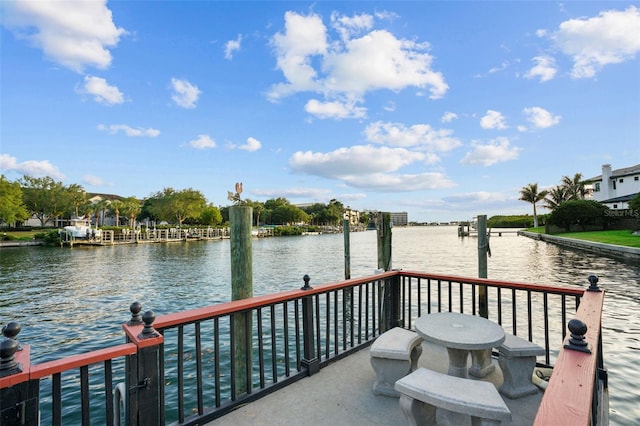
575	186
556	196
531	195
115	207
101	210
131	208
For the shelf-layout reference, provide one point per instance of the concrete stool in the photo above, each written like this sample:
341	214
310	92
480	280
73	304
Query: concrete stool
517	360
424	391
394	354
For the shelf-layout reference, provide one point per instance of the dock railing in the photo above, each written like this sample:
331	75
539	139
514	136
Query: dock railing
180	368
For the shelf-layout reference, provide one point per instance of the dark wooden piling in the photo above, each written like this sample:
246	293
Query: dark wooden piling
240	219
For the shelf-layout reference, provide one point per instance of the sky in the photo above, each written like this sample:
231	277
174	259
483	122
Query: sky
443	110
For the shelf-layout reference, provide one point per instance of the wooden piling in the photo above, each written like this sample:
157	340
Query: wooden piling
240	219
386	316
347	250
483	245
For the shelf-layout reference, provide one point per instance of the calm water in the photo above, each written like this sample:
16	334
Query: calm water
74	300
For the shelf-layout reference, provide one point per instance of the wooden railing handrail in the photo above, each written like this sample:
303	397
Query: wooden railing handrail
496	283
48	368
207	312
570	391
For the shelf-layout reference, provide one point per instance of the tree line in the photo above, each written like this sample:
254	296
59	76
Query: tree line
49	201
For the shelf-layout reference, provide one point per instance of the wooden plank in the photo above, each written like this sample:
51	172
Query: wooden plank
570	390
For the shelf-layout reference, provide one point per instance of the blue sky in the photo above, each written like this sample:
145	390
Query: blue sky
440	109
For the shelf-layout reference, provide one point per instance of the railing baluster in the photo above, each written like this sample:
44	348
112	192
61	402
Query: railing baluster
199	388
499	297
108	392
335	323
328	327
56	397
546	327
514	315
529	316
274	344
216	365
287	361
232	343
260	348
296	309
181	374
84	394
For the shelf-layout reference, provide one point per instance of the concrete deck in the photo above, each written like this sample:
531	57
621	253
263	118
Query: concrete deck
340	394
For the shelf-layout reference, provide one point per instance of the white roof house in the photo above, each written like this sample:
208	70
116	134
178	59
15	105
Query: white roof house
614	188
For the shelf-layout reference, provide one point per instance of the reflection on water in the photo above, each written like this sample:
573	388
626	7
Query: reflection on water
74	300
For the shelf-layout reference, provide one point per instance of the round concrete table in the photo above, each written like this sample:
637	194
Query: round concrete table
459	333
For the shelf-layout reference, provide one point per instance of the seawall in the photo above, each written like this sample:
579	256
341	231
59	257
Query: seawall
612	250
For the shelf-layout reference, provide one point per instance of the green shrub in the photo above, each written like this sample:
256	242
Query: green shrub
579	215
48	238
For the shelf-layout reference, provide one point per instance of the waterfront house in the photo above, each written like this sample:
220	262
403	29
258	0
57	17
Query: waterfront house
614	188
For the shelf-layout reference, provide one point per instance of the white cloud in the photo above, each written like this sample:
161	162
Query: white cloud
306	193
545	68
381	182
493	120
31	167
184	94
94	180
129	131
203	142
480	197
334	109
349	26
368	167
448	117
232	46
252	144
312	62
496	151
303	38
358	159
101	91
419	136
609	38
541	118
73	33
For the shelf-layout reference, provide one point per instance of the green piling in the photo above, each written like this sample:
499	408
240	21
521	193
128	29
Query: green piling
240	219
483	245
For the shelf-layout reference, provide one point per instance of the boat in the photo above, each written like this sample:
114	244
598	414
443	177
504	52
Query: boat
80	228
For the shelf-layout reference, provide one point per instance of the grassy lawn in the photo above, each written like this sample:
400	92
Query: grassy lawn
620	238
20	235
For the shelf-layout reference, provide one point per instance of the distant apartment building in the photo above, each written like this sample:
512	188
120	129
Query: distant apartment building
353	216
614	188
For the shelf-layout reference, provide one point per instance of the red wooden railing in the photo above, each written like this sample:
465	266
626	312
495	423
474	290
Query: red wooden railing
574	386
571	394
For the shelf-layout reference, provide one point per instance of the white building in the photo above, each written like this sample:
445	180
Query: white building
614	188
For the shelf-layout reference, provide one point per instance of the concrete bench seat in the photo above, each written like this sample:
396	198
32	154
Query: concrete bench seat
517	359
424	391
394	354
